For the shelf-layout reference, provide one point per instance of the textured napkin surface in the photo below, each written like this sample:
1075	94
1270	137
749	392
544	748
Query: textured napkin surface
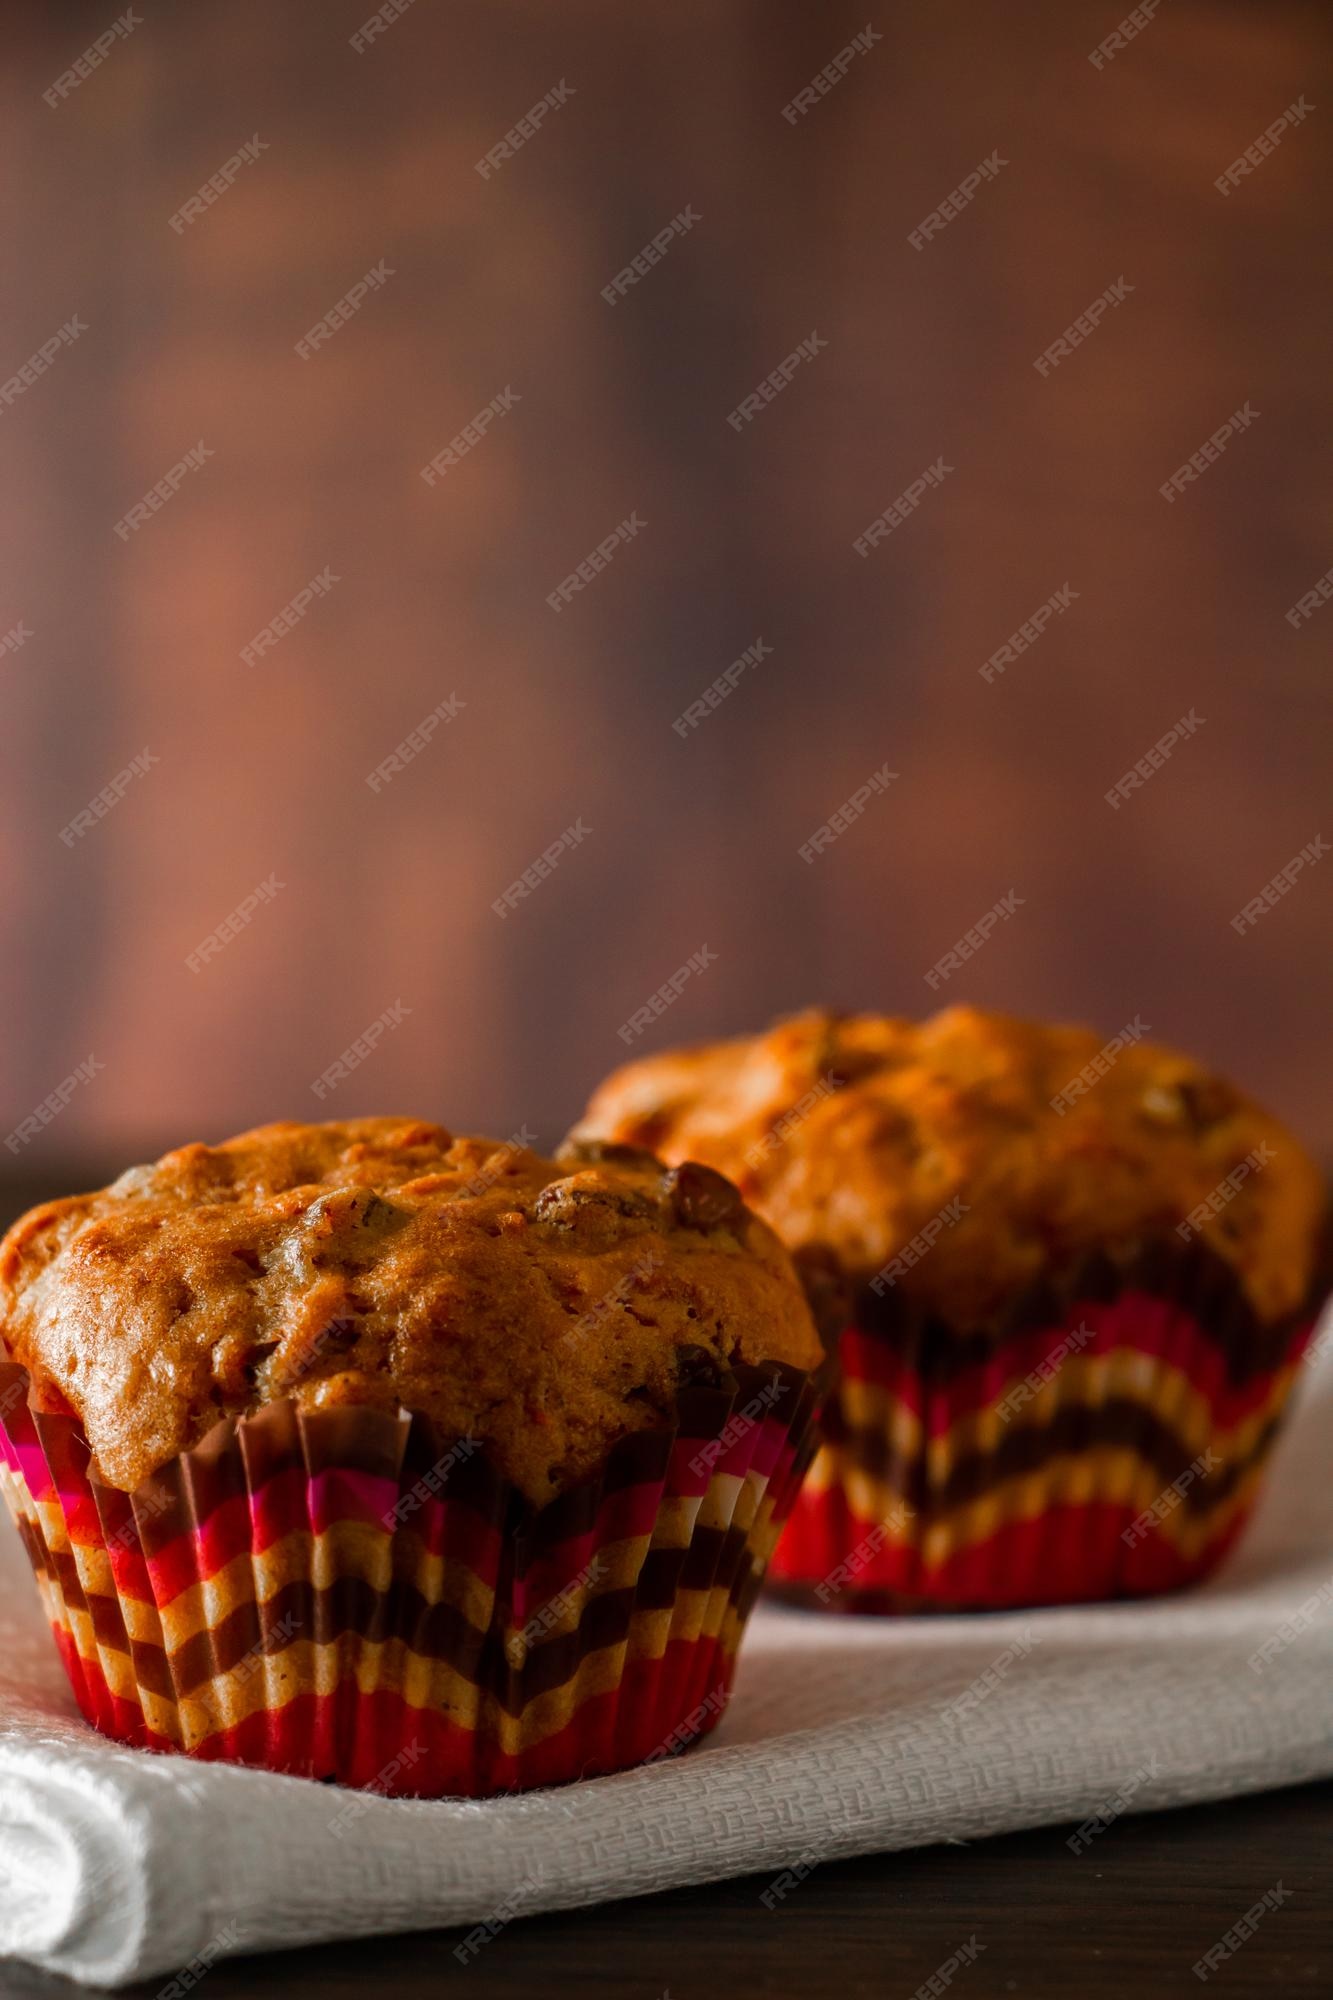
842	1738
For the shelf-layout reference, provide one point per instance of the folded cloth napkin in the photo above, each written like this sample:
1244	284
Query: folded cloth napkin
845	1735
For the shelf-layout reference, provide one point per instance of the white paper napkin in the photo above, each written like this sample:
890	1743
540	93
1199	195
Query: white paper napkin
842	1738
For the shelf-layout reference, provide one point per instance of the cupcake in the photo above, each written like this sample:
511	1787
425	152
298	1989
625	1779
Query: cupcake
1079	1280
423	1464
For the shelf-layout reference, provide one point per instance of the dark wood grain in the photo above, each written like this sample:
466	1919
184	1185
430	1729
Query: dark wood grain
803	227
1130	1916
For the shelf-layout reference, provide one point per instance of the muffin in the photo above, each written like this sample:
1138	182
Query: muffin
363	1452
1079	1277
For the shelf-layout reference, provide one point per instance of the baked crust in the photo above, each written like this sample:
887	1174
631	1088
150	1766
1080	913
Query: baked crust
858	1132
544	1309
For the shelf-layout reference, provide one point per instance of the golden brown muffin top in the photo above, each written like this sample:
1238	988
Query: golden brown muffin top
1027	1143
546	1310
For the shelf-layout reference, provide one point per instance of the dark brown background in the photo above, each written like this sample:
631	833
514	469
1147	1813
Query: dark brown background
262	769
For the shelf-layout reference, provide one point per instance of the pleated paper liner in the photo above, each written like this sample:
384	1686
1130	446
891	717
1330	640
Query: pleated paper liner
345	1594
1108	1441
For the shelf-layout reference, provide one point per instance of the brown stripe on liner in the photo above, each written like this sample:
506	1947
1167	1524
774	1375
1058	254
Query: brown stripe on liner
352	1609
1189	1275
63	1569
230	1460
108	1621
34	1546
1118	1422
436	1631
152	1669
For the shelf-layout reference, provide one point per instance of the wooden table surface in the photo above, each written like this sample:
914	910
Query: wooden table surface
1131	1916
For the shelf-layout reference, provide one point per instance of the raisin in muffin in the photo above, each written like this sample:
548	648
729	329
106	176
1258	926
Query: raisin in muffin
994	1190
455	1406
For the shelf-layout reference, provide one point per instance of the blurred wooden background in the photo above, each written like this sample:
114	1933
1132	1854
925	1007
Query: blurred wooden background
370	157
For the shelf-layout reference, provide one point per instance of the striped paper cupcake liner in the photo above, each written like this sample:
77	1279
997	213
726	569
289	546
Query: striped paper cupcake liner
345	1594
1109	1441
